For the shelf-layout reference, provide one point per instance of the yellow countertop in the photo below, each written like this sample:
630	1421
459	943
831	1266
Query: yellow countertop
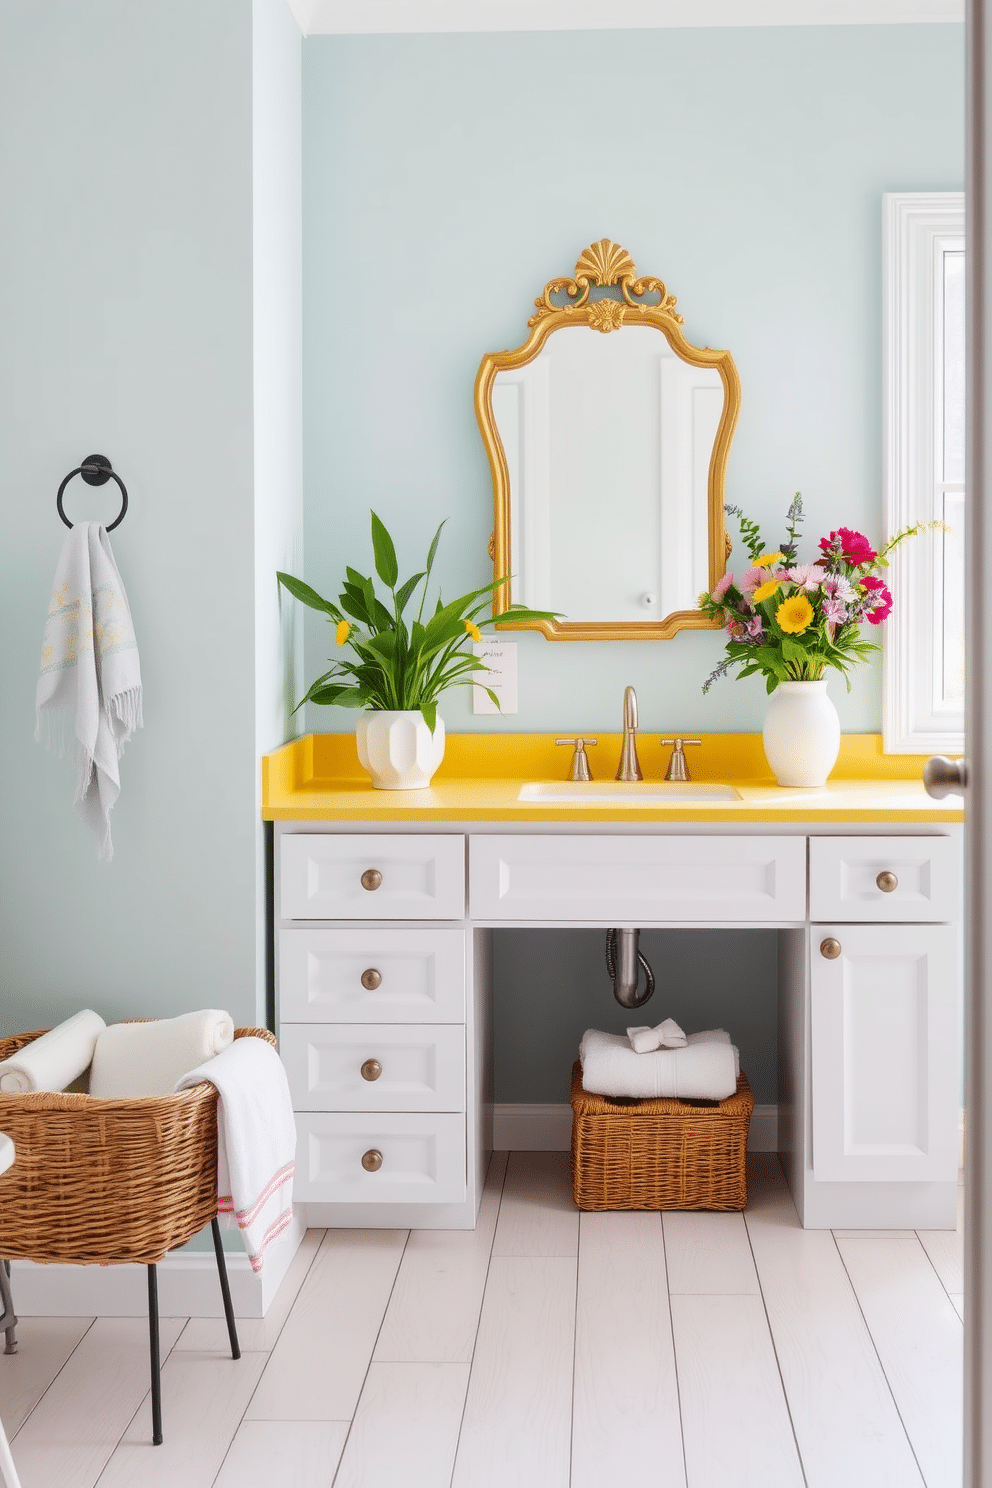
318	778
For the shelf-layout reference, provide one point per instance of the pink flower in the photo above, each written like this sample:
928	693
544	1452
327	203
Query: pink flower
755	629
752	579
879	599
839	587
722	587
808	576
852	546
834	611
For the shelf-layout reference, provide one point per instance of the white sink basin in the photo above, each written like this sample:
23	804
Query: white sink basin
627	792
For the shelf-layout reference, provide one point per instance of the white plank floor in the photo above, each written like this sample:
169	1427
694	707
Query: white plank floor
543	1350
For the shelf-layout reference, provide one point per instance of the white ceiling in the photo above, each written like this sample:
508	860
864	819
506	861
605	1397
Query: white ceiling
330	17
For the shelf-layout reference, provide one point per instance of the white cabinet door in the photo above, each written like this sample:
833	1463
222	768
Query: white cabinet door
884	1026
884	878
373	974
638	880
328	876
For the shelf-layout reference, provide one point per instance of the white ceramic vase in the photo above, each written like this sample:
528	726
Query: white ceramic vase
801	734
398	749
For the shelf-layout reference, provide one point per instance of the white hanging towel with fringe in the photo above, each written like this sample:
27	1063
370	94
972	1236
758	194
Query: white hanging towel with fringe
90	677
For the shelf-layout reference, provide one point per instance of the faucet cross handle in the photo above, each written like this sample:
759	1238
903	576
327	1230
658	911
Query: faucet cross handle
579	768
677	767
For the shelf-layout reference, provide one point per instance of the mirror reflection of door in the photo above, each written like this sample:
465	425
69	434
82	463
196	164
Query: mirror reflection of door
609	441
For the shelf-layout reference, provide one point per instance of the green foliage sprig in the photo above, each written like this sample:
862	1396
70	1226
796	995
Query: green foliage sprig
395	664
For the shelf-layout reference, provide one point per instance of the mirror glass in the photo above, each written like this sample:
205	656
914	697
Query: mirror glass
607	436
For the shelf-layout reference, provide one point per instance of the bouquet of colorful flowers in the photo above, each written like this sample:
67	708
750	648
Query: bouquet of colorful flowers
790	620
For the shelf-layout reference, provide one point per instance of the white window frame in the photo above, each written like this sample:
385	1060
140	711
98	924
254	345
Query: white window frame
917	228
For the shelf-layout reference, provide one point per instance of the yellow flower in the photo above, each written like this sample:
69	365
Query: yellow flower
765	591
473	629
794	615
767	559
342	632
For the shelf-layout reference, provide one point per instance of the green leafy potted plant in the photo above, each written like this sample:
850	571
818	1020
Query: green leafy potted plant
395	670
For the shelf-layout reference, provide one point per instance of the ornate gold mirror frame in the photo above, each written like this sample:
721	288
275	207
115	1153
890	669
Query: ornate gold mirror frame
629	299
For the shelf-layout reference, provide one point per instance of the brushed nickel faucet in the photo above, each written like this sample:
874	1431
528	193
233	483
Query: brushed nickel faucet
629	768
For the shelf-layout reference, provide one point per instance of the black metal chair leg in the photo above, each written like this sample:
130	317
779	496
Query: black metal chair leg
8	1318
225	1289
153	1344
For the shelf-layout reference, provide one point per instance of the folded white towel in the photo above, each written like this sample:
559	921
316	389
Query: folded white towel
136	1059
666	1035
90	673
56	1059
706	1069
256	1140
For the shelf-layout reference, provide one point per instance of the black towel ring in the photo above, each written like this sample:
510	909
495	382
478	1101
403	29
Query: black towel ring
96	470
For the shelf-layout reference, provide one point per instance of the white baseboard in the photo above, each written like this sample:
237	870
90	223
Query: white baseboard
523	1128
187	1284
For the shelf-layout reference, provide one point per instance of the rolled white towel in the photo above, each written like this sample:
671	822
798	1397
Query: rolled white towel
666	1035
706	1069
138	1059
56	1059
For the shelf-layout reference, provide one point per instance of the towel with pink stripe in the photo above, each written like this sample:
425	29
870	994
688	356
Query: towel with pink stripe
256	1140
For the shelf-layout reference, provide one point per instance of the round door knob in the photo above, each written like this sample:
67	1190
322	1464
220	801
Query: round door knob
943	777
371	979
371	879
887	882
371	1069
372	1160
830	948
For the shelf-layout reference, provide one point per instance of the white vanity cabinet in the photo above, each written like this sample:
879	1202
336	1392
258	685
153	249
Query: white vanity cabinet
378	1036
384	1006
870	1136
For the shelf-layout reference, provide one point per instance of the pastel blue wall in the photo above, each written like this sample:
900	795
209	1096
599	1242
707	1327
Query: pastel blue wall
127	136
446	178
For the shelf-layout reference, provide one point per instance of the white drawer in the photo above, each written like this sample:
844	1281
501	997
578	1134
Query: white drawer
421	1066
638	880
411	975
405	878
851	878
423	1158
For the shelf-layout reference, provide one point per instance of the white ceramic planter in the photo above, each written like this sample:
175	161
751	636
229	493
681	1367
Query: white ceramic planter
398	749
801	734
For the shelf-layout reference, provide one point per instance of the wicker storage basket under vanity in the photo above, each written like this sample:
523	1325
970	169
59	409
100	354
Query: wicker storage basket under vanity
659	1154
107	1182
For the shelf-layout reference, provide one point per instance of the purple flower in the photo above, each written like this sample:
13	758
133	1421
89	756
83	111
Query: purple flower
835	611
755	629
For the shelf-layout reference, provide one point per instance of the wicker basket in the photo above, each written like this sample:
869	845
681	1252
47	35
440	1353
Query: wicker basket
659	1154
107	1182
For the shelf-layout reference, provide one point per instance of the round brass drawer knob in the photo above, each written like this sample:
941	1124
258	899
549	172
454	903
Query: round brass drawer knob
371	1069
371	879
372	1160
887	882
830	948
371	979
